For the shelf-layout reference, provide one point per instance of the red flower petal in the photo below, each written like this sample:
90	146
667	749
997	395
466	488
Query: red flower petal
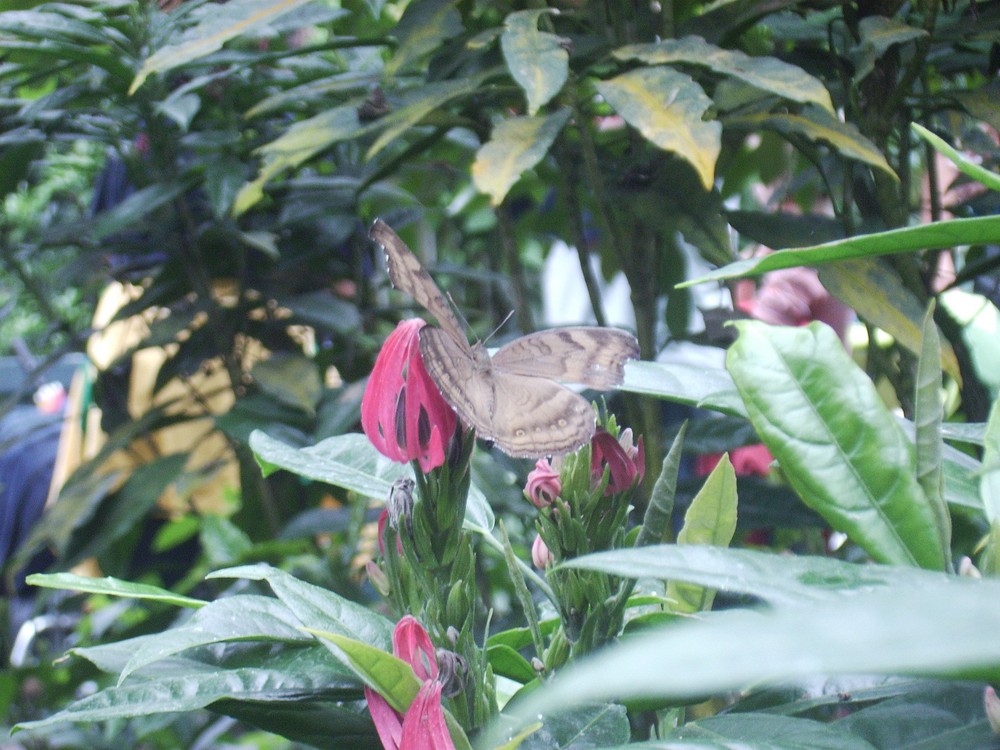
388	723
411	643
424	727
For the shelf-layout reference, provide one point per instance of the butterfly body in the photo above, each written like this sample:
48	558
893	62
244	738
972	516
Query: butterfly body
511	398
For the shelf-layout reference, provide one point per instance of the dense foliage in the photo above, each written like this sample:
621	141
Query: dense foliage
245	147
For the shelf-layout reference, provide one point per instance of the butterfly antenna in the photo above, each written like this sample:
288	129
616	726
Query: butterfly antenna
458	312
502	324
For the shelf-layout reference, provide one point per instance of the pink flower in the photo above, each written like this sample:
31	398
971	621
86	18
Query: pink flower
402	412
541	555
543	485
422	726
625	461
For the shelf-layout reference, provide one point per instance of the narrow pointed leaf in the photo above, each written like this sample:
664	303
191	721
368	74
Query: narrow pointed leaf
536	59
966	167
711	520
982	230
928	415
421	30
879	33
656	521
837	444
764	73
112	587
518	144
989	480
668	108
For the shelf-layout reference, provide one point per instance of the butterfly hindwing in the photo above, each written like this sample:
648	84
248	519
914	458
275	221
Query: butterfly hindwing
593	357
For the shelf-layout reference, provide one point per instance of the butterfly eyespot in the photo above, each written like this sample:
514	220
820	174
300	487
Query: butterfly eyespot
519	432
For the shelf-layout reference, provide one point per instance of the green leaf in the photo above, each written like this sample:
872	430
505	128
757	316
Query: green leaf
419	103
966	167
292	379
875	291
135	208
837	444
296	676
877	34
668	108
508	663
389	676
989	480
216	27
817	125
685	384
779	580
764	73
656	520
899	630
983	230
350	461
315	607
537	60
112	587
760	730
711	520
421	30
582	728
237	618
927	418
518	144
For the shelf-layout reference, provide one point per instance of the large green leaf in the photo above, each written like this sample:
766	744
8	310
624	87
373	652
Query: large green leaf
668	108
765	73
779	580
216	26
580	729
710	388
897	630
711	520
837	444
236	618
817	125
317	608
536	59
518	144
759	730
112	587
983	230
350	461
875	291
292	379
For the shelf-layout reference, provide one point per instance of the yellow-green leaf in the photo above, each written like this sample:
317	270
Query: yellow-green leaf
421	30
536	59
668	107
518	144
765	73
389	676
710	519
219	24
874	290
818	126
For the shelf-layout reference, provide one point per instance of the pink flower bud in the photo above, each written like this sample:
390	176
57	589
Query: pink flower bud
543	485
541	555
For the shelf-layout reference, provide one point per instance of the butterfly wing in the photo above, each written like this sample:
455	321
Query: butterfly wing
526	417
407	274
594	357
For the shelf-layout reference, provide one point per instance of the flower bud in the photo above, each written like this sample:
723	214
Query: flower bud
543	485
541	555
452	670
399	505
378	578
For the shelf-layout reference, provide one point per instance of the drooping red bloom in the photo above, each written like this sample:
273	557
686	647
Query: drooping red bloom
543	484
402	412
422	726
626	462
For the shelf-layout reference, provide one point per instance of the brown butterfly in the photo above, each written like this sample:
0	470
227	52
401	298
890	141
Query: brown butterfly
511	399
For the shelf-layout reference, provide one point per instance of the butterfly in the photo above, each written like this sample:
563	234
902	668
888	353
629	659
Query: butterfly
512	398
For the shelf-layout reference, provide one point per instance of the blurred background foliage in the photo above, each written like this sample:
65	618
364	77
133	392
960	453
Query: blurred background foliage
208	171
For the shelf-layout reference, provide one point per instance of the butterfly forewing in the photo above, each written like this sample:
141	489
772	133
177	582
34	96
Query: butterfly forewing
408	275
593	357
